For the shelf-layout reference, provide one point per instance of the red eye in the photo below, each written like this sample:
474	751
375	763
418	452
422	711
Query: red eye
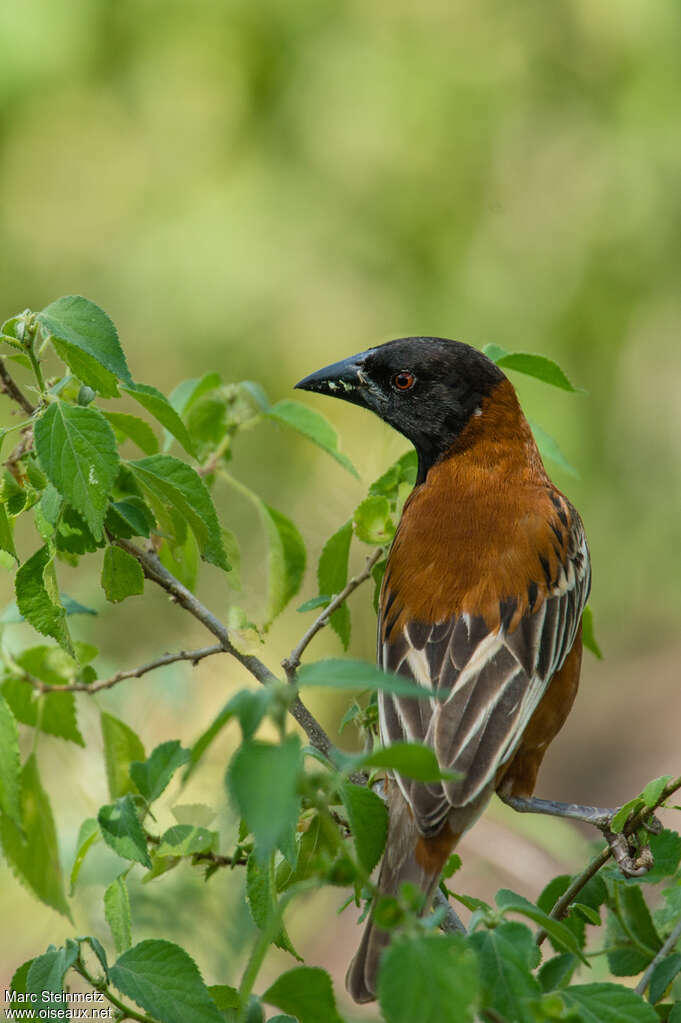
404	381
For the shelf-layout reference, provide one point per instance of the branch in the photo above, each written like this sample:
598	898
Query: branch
563	904
95	687
13	391
664	951
291	663
159	574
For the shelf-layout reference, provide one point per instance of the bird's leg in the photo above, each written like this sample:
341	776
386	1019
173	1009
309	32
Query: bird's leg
632	860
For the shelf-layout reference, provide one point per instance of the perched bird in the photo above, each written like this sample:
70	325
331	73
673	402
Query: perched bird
481	600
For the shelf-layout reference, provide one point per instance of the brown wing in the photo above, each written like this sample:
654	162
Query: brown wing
492	679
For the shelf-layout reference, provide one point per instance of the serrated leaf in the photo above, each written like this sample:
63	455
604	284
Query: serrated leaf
175	483
161	978
134	428
561	935
38	597
129	517
556	972
58	710
260	896
548	448
182	560
77	449
627	957
373	522
122	831
81	323
654	789
608	1003
332	576
359	675
117	913
122	574
263	781
47	972
506	956
663	975
18	984
538	366
7	534
187	840
224	996
401	472
33	852
307	993
121	747
666	850
588	633
429	978
313	425
153	776
368	819
286	559
10	767
410	759
88	834
188	392
156	403
87	369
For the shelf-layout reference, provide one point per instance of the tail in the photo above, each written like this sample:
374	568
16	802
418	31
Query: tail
409	856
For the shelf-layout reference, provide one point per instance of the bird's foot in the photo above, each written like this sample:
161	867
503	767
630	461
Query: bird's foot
633	857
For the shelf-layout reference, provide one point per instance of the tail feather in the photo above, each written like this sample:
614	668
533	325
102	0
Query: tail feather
408	857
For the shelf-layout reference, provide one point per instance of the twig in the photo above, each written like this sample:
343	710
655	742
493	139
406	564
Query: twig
154	570
664	951
13	391
95	687
291	663
451	922
563	904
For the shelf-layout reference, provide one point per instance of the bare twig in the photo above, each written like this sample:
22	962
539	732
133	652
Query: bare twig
291	663
451	922
12	389
664	951
194	656
154	570
563	904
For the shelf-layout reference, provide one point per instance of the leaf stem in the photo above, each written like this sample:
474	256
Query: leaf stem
128	1012
662	954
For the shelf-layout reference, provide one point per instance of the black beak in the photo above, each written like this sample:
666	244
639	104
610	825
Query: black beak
342	379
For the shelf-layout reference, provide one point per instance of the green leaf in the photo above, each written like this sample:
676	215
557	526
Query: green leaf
187	840
285	560
359	675
666	850
372	521
175	483
588	634
134	428
224	996
182	560
539	366
33	852
312	425
548	448
206	738
401	474
121	747
629	955
305	992
263	781
654	789
323	600
561	935
117	913
556	972
165	981
663	975
429	978
7	534
47	972
84	325
122	831
87	369
368	819
493	351
58	715
38	597
332	576
88	834
608	1003
128	518
188	392
77	449
250	707
260	896
506	956
160	408
153	776
410	759
122	574
18	985
97	948
10	766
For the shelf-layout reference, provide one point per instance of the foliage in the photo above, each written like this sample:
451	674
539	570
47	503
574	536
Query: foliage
307	817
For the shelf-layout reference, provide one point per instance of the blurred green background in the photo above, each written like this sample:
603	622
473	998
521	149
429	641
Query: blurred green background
260	188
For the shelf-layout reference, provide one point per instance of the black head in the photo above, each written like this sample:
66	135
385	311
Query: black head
427	388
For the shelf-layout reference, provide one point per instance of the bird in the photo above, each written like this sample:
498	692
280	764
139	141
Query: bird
481	602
